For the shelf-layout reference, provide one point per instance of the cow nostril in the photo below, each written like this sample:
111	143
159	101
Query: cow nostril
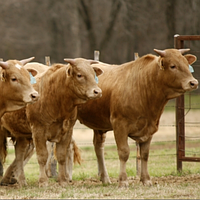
193	84
34	96
96	92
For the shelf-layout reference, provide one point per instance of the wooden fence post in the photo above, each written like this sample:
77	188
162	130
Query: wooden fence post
47	60
96	55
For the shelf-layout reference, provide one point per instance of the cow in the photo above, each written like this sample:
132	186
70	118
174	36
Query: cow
134	96
16	89
52	117
36	69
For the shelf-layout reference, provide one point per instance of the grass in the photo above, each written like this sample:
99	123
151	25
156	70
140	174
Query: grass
167	182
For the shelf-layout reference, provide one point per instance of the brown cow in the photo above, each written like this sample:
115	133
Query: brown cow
16	89
36	70
52	118
134	96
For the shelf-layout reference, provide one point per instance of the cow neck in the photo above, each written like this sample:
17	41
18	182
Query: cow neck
54	94
149	88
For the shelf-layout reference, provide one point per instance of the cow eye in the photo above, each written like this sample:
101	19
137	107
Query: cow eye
79	75
173	67
13	79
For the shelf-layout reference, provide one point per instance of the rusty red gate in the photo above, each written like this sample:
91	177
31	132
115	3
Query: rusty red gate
180	107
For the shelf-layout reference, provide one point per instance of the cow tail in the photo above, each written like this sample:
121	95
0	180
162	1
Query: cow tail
77	154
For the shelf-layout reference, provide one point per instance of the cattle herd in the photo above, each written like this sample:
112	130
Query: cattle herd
128	99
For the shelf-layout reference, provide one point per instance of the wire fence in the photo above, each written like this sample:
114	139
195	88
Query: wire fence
167	123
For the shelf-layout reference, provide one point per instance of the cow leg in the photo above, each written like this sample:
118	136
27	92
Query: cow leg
98	141
61	154
62	148
3	148
15	172
51	164
70	160
123	152
42	155
144	154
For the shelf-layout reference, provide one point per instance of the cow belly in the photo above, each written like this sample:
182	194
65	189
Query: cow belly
142	130
94	122
55	132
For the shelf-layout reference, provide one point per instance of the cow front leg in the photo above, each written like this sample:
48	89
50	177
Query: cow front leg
98	141
70	160
42	155
123	152
15	172
144	154
3	148
61	153
62	148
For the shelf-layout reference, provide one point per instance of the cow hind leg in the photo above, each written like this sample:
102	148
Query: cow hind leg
98	141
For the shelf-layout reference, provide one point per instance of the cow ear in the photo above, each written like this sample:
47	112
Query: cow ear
98	71
160	63
24	61
34	72
190	58
3	76
69	71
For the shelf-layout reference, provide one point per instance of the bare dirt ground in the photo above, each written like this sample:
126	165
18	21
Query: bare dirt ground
166	132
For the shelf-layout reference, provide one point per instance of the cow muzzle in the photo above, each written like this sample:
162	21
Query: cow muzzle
95	93
34	96
194	84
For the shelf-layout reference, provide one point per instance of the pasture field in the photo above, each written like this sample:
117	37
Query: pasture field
167	182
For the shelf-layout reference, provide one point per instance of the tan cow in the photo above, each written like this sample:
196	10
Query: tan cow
52	118
16	89
134	96
72	157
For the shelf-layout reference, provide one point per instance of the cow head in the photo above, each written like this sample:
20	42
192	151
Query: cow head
174	67
84	77
15	84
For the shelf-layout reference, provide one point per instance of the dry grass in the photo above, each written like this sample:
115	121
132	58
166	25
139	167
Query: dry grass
167	183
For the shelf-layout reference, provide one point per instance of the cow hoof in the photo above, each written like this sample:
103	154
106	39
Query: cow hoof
11	181
123	184
63	184
105	180
23	183
147	183
43	184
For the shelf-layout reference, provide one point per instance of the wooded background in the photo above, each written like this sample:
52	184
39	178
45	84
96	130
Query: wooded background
75	28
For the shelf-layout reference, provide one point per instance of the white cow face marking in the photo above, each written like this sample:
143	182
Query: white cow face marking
18	66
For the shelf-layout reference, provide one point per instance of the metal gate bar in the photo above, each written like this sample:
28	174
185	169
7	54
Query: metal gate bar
180	118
